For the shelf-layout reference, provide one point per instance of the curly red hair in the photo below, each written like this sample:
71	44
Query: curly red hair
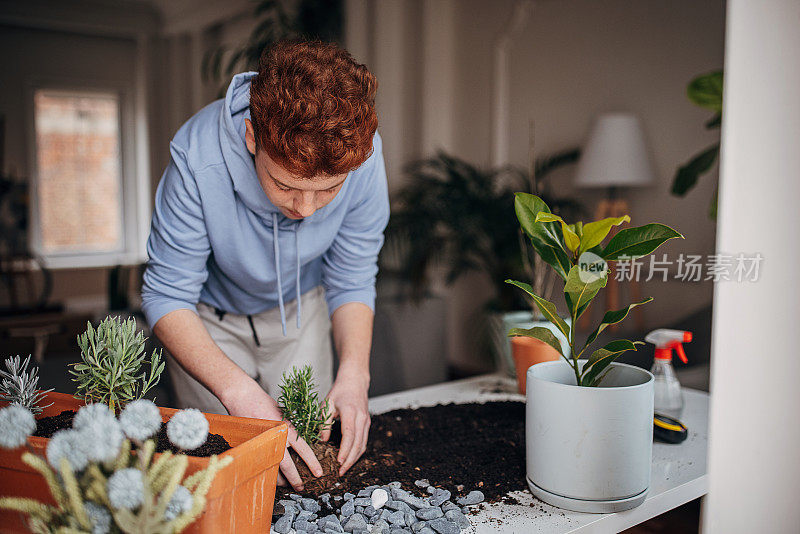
313	108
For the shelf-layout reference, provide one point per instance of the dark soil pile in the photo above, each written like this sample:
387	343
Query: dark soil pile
459	447
215	444
326	453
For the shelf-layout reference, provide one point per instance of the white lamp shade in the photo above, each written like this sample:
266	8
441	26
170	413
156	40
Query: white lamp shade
615	154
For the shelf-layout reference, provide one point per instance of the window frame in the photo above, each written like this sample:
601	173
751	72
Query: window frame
134	180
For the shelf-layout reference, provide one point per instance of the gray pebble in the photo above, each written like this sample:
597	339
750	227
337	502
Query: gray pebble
348	509
397	518
360	531
395	485
289	505
430	489
397	531
295	497
369	511
330	522
301	525
364	493
448	505
356	521
305	514
465	510
430	513
310	505
439	496
398	505
426	530
337	498
384	514
332	531
458	518
283	524
443	526
410	519
419	525
349	496
422	483
362	501
380	527
360	509
474	497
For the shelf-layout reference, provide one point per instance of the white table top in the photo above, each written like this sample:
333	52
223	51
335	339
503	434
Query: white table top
678	474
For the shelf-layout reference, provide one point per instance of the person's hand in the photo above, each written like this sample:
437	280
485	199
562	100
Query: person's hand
249	401
348	401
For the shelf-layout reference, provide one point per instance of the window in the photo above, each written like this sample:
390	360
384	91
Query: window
79	166
90	189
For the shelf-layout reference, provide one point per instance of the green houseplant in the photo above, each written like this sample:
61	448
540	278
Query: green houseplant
704	91
577	255
589	422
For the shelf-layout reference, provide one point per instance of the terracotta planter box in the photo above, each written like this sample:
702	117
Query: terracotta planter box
240	498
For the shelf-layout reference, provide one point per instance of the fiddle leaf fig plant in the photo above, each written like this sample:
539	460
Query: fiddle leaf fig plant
577	254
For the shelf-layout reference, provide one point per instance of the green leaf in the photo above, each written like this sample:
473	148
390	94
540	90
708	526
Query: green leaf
613	317
706	91
545	237
595	232
602	358
579	293
547	308
636	242
571	239
688	174
538	332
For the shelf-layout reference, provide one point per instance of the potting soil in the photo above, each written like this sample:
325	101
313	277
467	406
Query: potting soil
457	447
215	444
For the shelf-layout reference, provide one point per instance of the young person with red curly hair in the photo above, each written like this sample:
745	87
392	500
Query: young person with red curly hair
265	235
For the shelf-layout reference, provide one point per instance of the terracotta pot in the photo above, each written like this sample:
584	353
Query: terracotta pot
240	498
528	351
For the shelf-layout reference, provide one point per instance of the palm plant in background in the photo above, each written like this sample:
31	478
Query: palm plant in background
455	214
277	19
705	91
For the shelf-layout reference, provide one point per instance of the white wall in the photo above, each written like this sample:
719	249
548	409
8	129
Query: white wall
754	463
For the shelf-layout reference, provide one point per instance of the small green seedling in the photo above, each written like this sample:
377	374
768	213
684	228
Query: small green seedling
301	406
18	385
577	254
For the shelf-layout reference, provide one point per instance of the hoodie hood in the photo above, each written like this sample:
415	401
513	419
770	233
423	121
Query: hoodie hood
238	160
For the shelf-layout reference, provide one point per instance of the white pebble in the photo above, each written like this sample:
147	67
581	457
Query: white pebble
379	498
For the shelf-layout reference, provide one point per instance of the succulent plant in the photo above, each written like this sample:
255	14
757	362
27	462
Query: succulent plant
16	424
188	429
111	368
140	420
125	489
18	385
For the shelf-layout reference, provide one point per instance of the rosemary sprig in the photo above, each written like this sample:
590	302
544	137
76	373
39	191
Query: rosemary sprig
300	404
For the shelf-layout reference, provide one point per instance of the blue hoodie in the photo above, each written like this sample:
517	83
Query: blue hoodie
216	237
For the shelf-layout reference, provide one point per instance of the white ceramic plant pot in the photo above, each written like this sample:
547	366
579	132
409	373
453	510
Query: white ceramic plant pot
589	449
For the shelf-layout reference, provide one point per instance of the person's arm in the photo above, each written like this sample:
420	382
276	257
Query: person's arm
187	340
348	275
178	249
352	334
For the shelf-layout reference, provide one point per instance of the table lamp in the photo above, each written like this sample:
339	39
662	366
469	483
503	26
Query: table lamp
615	156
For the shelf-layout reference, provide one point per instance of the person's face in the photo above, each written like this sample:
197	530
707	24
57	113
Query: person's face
296	197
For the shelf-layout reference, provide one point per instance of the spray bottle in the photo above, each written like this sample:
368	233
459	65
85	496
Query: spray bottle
668	396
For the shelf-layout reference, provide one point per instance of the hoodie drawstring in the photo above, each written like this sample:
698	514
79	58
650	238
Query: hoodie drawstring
277	250
297	271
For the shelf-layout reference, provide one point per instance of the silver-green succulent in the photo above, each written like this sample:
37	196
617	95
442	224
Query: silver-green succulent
18	385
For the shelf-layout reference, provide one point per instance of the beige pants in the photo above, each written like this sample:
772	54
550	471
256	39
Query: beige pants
274	354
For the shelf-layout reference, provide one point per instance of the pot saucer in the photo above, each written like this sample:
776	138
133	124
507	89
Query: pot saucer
584	505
